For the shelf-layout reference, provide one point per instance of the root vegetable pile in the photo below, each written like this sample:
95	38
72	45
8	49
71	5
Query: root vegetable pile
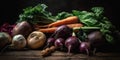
78	31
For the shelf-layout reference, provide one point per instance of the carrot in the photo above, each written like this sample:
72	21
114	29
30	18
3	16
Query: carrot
48	51
75	25
52	29
48	30
68	20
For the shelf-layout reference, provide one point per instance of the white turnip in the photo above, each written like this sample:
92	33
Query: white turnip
5	39
18	41
36	39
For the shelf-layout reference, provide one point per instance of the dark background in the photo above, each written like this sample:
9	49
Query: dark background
10	9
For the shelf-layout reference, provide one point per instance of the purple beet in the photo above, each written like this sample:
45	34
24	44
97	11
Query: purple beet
84	47
72	43
59	43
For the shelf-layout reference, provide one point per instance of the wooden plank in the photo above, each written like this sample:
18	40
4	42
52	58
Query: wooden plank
57	55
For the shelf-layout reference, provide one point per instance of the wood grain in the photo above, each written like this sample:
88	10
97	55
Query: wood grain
57	55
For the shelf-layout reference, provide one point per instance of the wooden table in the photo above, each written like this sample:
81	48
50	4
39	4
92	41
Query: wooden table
57	55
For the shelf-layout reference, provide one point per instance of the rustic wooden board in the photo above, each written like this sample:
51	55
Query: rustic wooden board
57	55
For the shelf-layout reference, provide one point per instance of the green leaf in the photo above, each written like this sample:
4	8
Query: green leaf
63	15
87	18
98	10
109	38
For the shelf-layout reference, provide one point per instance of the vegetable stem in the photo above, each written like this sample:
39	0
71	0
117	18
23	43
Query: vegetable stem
86	28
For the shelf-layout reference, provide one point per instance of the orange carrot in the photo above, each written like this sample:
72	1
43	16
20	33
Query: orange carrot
68	20
52	29
75	25
48	51
48	30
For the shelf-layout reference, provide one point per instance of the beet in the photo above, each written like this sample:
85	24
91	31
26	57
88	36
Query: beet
23	28
96	39
59	43
63	31
84	47
72	43
50	42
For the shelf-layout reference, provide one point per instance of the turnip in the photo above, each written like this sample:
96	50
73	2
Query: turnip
5	39
18	41
36	39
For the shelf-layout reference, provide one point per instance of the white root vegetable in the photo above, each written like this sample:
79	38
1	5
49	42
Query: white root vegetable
19	41
36	39
5	39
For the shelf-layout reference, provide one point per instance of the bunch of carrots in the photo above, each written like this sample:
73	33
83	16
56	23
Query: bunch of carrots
72	21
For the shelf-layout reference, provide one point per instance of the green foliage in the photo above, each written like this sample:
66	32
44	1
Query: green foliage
95	18
63	15
36	14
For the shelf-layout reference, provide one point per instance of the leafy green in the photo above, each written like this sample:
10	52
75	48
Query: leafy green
95	18
36	14
63	15
87	18
98	10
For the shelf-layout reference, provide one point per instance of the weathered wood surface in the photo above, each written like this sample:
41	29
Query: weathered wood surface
57	55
